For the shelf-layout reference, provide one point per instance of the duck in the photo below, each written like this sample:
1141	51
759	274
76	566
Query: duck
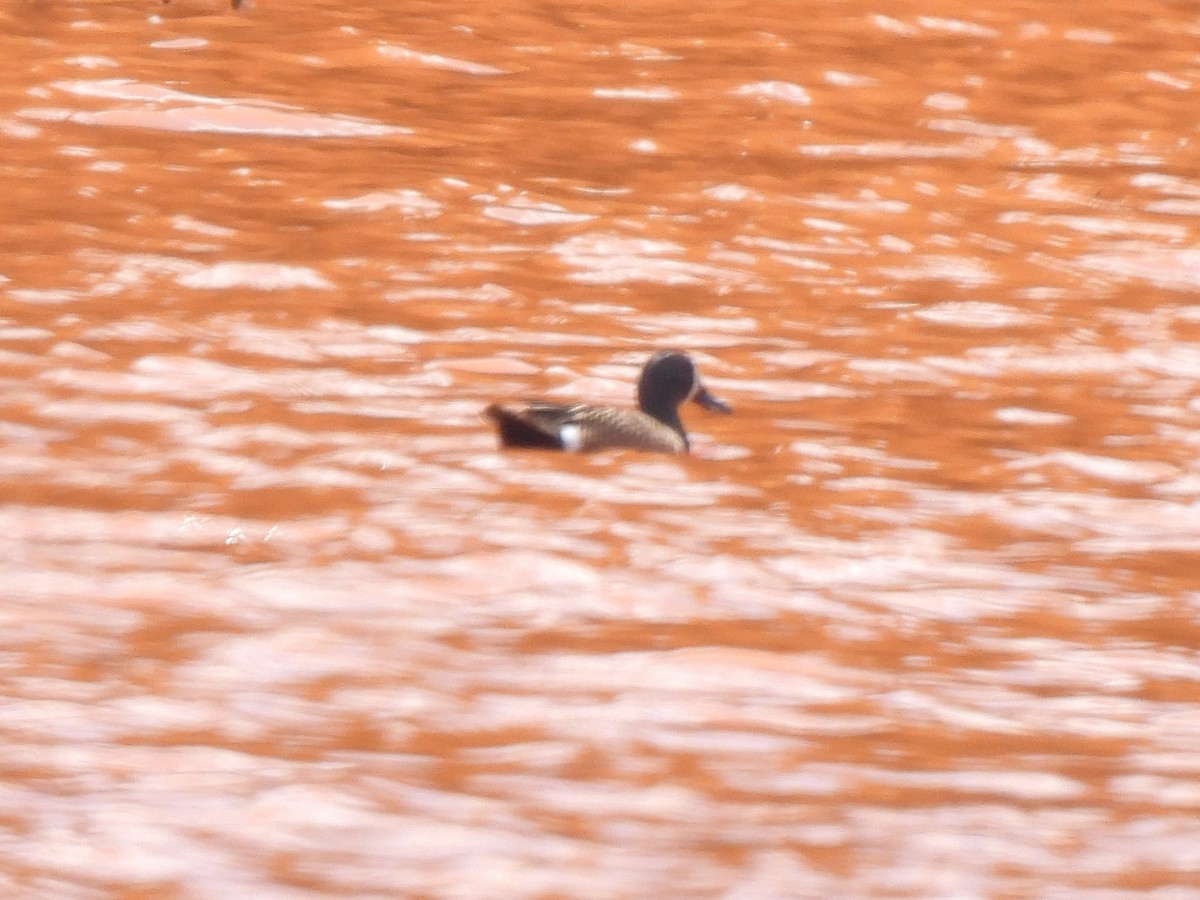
668	380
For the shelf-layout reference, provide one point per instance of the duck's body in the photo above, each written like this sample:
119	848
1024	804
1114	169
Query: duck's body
668	380
583	428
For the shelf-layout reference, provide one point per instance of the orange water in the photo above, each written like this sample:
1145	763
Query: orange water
920	619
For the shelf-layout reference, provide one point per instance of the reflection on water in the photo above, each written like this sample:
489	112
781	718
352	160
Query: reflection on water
280	620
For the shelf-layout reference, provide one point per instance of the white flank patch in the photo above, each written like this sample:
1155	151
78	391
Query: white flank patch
571	437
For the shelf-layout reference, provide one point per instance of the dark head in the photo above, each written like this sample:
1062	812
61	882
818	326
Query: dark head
669	379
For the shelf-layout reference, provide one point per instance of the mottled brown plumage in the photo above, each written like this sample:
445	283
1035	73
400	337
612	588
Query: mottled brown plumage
667	380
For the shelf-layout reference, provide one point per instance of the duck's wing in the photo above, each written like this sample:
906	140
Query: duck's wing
531	424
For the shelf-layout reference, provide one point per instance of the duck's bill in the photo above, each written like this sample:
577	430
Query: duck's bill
711	402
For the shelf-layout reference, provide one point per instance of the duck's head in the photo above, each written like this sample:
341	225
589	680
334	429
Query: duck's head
670	378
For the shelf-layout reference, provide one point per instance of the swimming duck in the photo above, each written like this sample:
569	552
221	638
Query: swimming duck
668	379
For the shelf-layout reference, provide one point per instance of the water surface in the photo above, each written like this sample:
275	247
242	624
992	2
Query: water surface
919	620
